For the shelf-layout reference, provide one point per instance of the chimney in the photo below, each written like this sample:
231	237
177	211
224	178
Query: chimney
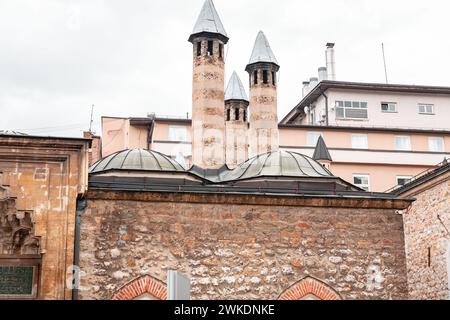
323	75
305	89
331	63
313	82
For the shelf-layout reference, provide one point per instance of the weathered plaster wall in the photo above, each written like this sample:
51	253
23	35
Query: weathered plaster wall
427	237
236	251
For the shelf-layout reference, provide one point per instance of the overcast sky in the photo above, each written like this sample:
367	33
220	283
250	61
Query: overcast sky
58	57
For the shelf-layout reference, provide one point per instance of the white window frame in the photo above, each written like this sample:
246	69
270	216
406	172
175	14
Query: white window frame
309	136
409	147
351	105
390	104
363	186
171	135
357	136
427	108
430	147
405	178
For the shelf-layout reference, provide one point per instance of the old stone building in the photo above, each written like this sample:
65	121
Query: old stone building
427	234
246	221
40	180
278	226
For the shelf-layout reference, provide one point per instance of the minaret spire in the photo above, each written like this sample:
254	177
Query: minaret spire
208	97
263	68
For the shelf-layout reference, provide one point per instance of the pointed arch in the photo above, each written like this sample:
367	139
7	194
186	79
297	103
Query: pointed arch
141	286
310	286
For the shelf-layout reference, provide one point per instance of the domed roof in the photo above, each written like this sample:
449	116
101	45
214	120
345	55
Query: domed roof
136	159
277	164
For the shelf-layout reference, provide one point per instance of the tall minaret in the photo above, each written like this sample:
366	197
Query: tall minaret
208	124
263	68
236	122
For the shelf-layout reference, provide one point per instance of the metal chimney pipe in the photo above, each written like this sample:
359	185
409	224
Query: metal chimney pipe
331	62
313	82
323	75
305	89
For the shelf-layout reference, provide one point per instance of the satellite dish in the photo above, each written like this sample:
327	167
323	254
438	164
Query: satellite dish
306	110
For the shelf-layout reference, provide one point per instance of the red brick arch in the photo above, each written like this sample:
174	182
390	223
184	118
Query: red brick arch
309	286
140	286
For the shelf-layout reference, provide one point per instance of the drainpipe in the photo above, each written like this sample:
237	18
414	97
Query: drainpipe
81	206
326	108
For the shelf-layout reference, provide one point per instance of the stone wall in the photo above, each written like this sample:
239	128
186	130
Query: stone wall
427	225
240	251
45	175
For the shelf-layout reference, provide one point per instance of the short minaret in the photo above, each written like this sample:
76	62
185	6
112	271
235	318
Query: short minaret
263	68
236	122
208	124
321	154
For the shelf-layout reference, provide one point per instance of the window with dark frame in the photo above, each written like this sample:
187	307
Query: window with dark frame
255	77
199	49
274	78
210	47
245	115
265	77
228	114
236	114
220	50
389	107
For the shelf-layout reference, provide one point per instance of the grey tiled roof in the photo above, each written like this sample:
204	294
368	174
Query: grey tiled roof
235	89
262	51
321	152
209	20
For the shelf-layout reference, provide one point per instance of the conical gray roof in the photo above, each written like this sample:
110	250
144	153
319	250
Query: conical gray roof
209	21
235	89
321	152
262	51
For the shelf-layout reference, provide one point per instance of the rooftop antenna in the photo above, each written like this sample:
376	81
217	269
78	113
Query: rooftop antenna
384	60
92	119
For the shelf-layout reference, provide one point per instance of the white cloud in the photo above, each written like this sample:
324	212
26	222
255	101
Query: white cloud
129	58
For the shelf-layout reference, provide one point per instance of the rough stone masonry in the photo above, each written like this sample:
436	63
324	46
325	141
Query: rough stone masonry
232	250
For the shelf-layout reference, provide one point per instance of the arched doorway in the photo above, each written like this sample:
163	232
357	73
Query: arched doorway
142	288
310	289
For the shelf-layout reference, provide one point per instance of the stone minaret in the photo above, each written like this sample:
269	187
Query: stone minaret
236	122
263	68
208	124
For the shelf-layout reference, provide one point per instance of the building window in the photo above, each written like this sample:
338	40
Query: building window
220	50
351	110
402	180
255	77
177	133
436	144
388	107
360	141
199	49
265	77
210	47
228	114
245	115
274	78
236	114
312	138
426	108
362	181
403	143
